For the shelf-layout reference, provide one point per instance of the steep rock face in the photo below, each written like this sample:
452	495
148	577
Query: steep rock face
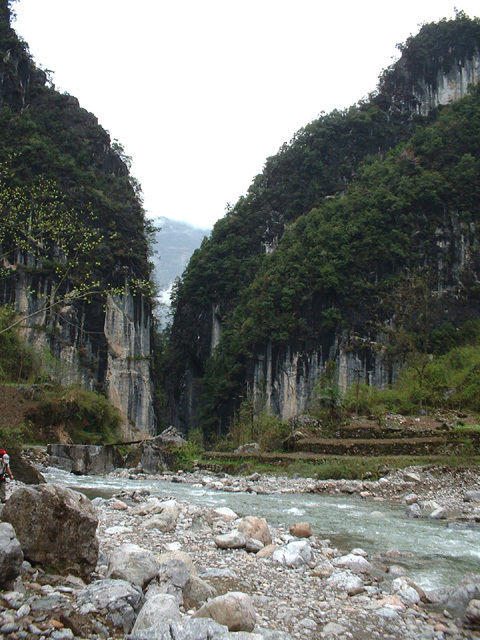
435	69
283	378
128	379
449	86
101	341
93	348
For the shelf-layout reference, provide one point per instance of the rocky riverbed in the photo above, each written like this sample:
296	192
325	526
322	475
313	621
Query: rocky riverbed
297	583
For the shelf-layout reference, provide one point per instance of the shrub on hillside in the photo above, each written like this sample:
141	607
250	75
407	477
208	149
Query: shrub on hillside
86	416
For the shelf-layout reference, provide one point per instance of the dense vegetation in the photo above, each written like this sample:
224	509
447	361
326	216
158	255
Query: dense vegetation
72	230
358	205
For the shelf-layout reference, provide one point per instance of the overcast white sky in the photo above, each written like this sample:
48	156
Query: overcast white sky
201	92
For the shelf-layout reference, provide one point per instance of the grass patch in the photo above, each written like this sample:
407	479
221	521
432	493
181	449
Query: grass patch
333	467
86	416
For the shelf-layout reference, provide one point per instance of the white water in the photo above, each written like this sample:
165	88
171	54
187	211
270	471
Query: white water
442	553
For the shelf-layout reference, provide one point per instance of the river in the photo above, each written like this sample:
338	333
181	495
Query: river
440	553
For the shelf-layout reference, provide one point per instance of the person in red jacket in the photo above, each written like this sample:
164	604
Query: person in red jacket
4	471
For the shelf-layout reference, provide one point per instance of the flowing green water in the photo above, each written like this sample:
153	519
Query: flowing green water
438	553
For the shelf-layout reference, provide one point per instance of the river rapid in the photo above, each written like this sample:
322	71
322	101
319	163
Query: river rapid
438	553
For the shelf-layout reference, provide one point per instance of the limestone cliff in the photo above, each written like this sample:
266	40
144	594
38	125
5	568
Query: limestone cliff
269	299
100	340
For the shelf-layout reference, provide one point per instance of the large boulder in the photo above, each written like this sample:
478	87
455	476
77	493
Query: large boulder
84	459
55	526
24	471
160	619
151	456
118	600
165	521
231	540
157	613
134	564
458	599
234	610
252	527
11	555
294	554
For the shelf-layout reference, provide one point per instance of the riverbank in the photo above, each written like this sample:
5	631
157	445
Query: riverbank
323	598
338	593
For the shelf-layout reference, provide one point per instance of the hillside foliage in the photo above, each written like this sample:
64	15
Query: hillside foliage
355	202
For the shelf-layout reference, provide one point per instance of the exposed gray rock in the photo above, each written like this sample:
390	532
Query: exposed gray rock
118	600
173	576
472	613
171	436
253	527
439	514
133	564
458	599
472	496
25	472
150	456
413	511
156	614
55	526
164	521
232	540
345	581
407	593
85	459
293	554
333	629
186	629
254	546
234	610
355	563
178	555
196	591
410	476
11	555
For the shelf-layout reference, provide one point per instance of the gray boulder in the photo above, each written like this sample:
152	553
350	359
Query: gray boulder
84	459
472	496
345	581
164	521
293	554
55	526
24	471
232	540
472	613
171	436
156	614
355	563
173	576
178	555
458	599
413	511
234	610
150	456
134	564
11	555
402	588
187	629
118	600
196	591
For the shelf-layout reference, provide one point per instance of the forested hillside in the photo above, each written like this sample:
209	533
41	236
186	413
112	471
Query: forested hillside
362	209
73	237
